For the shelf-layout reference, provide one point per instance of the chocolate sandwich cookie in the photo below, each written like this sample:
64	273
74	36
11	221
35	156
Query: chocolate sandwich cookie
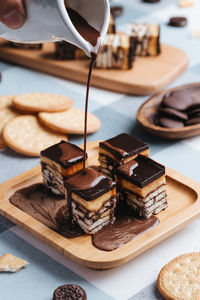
143	184
69	292
177	21
173	114
170	123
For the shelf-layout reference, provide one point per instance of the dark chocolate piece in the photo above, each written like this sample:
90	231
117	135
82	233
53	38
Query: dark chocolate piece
183	99
89	185
69	292
123	230
116	11
170	123
146	172
124	145
173	113
64	153
177	21
47	209
192	121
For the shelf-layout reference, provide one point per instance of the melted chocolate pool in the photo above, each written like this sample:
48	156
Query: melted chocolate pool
51	211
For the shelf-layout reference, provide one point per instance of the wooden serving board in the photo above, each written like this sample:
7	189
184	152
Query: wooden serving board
148	76
184	206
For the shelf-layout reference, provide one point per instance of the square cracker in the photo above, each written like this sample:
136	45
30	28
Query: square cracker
11	263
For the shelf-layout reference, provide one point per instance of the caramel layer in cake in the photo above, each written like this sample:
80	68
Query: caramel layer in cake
142	182
60	162
92	197
119	150
146	38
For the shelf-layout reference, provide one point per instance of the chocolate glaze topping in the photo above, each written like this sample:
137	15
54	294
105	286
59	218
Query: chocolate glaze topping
123	230
89	185
64	153
124	145
147	171
50	211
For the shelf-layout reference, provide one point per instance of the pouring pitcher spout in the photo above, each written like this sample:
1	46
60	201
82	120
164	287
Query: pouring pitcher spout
52	20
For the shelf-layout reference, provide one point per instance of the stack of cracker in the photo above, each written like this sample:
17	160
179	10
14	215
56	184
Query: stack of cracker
32	122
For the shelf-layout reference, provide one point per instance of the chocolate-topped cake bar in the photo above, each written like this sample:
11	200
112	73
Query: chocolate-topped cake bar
142	182
25	46
119	150
117	51
59	162
92	199
146	38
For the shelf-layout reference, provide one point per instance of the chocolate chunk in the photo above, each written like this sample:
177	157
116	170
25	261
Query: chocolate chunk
177	21
116	11
146	172
173	113
192	121
69	292
170	123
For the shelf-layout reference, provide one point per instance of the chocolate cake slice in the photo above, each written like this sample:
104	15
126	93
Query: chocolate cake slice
118	151
142	182
59	162
147	38
117	51
92	199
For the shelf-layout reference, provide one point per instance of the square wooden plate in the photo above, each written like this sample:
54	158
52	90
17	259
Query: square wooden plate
184	206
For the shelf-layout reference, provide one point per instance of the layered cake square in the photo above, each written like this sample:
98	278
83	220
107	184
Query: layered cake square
25	46
143	184
67	51
59	162
147	38
92	199
117	51
118	151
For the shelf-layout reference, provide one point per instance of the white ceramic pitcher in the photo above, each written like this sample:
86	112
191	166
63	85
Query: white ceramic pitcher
48	20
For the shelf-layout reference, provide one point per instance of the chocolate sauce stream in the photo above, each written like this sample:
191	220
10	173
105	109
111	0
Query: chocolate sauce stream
91	35
92	62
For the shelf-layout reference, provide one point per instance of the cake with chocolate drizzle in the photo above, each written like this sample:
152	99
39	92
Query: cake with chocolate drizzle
58	163
92	198
118	151
143	184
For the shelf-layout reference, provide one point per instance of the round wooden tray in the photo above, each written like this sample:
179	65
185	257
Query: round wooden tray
150	107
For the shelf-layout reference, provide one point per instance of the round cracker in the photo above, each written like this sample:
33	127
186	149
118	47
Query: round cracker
70	121
180	278
6	101
27	136
6	114
37	102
